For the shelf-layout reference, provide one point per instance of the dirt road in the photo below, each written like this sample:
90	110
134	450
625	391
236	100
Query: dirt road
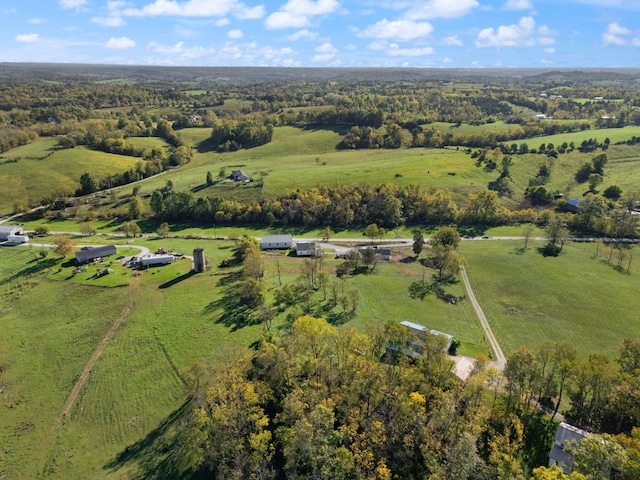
499	358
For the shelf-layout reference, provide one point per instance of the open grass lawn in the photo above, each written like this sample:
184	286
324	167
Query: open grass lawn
149	142
613	134
575	297
51	325
36	177
300	158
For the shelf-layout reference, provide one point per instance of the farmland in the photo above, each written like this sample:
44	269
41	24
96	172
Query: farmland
576	296
135	346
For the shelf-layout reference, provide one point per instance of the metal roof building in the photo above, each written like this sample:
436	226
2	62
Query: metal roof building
6	230
86	254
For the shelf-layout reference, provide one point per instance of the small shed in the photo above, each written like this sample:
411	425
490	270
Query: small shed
271	242
308	249
87	254
572	204
6	230
421	330
558	455
239	176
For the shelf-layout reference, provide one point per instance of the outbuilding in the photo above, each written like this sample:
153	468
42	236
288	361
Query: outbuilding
239	176
384	253
308	249
271	242
573	204
155	259
420	331
6	230
558	455
87	254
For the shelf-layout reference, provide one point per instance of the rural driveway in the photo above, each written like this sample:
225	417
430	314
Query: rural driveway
499	359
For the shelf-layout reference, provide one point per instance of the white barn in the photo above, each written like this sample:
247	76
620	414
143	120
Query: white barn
6	230
272	242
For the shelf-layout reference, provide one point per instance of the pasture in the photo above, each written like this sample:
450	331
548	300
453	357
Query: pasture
58	170
299	158
575	297
53	321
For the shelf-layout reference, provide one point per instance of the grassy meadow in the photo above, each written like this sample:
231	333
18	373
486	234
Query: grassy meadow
57	170
576	297
53	320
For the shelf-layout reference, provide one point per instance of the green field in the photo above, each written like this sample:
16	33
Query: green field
53	319
56	170
575	297
298	158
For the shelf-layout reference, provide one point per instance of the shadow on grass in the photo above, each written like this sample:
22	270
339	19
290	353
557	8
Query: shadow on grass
157	455
234	314
472	230
177	280
32	269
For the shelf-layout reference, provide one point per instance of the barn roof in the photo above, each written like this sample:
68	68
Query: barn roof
89	253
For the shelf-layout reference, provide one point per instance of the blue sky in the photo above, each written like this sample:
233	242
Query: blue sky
324	33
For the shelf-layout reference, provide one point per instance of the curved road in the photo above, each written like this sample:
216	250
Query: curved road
499	359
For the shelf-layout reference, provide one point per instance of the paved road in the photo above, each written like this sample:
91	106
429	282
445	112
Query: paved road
499	359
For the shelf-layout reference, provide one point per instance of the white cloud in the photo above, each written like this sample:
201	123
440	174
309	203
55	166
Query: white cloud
250	13
170	49
112	17
222	22
235	34
452	40
195	8
518	5
108	21
447	60
441	9
614	35
298	13
397	30
523	34
72	3
302	35
325	53
549	51
28	38
394	50
120	43
180	52
37	21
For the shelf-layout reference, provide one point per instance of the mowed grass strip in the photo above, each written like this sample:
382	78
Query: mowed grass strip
575	297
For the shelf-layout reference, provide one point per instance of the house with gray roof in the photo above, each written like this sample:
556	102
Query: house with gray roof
239	176
558	455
